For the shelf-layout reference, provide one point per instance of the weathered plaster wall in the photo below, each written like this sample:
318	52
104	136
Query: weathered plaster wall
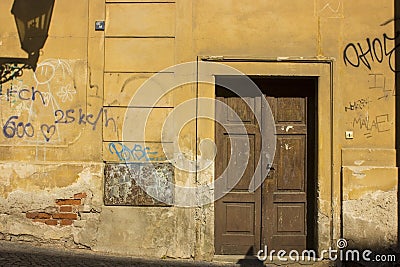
51	177
369	173
51	202
359	38
54	146
370	198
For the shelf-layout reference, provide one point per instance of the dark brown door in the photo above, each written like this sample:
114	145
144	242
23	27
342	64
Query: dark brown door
238	213
284	215
275	214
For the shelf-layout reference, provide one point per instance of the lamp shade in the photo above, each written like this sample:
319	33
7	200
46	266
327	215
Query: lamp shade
32	18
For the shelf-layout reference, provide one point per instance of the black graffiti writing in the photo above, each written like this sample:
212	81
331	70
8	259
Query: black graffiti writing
380	123
371	51
357	104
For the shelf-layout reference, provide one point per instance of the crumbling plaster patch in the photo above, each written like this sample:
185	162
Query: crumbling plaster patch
15	204
371	221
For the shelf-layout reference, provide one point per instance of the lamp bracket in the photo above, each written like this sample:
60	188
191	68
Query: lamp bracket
10	71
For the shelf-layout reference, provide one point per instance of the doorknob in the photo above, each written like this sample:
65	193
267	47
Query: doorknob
269	168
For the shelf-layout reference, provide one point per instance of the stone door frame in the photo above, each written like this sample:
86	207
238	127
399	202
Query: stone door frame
328	189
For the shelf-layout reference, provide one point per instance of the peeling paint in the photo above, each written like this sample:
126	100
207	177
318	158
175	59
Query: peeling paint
289	127
288	147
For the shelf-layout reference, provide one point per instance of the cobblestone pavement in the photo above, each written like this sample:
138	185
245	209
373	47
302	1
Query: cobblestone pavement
25	254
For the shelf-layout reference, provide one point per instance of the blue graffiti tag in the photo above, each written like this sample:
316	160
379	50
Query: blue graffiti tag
137	153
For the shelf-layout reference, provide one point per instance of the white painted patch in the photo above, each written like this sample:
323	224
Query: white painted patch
24	170
359	171
282	58
85	175
288	147
359	168
288	128
359	175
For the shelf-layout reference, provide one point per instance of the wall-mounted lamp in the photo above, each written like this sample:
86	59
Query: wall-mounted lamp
33	21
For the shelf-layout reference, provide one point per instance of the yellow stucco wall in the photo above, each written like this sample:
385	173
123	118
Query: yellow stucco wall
85	80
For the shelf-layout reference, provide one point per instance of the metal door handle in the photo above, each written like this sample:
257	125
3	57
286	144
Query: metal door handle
270	167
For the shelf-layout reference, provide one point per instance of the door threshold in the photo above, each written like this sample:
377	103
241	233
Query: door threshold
233	258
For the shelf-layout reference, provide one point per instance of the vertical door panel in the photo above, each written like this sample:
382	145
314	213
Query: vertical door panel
285	190
238	213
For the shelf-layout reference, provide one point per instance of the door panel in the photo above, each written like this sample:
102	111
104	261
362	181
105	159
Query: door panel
238	213
291	157
236	141
290	109
284	198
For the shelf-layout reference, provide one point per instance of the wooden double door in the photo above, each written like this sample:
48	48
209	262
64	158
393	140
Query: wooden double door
281	212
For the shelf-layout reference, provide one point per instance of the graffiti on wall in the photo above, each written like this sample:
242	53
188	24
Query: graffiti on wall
378	92
358	104
368	125
378	50
80	117
329	8
47	107
138	152
377	82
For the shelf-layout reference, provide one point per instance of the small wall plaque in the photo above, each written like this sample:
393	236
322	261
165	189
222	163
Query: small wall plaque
100	25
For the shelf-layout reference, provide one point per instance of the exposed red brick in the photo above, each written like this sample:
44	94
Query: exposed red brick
32	215
68	202
43	215
66	209
80	195
51	222
72	216
66	222
39	220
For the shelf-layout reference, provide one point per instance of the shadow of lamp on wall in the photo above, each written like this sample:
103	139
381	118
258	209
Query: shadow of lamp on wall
32	18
